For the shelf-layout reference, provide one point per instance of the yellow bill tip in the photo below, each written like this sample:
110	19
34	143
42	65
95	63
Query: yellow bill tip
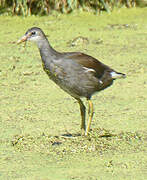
23	39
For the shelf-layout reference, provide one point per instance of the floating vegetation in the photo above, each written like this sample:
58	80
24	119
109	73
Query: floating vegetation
99	141
45	7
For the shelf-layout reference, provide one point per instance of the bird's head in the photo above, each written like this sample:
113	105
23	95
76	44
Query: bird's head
34	34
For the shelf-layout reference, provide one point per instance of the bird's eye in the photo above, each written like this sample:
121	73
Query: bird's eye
33	33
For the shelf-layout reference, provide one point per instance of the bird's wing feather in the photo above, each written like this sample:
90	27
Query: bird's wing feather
88	62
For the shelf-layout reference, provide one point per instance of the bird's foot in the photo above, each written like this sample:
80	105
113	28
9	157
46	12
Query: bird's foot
83	132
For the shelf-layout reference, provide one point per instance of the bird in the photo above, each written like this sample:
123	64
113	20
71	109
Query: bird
78	74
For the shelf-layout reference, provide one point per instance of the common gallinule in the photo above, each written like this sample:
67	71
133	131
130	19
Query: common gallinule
77	73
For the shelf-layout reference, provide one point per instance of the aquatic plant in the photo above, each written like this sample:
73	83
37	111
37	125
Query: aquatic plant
45	7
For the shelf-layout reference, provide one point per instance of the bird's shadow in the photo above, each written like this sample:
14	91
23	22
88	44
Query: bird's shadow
69	135
101	133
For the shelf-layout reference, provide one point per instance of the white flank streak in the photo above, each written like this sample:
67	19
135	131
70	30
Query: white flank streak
89	69
100	82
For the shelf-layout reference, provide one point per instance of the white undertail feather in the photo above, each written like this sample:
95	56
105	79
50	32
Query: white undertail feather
116	75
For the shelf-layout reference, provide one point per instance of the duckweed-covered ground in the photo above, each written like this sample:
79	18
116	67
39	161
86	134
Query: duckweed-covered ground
40	124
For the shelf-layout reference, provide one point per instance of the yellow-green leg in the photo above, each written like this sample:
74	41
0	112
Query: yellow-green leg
83	116
90	112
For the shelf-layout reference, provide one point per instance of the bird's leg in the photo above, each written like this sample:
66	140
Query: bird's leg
83	116
90	112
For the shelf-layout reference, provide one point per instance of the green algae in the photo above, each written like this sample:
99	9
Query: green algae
40	124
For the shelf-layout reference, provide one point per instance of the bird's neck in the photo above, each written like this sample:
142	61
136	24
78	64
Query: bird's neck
46	51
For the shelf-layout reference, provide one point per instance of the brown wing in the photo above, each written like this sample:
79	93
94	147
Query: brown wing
89	62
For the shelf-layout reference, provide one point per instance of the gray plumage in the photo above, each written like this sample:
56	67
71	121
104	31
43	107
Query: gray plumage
78	74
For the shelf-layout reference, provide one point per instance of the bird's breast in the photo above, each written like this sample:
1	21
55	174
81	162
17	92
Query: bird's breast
52	71
46	69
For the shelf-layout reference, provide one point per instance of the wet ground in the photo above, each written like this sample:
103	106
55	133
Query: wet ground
40	124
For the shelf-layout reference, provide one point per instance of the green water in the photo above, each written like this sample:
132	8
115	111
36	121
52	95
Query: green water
35	113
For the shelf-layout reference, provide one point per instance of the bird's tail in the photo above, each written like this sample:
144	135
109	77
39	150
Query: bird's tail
117	75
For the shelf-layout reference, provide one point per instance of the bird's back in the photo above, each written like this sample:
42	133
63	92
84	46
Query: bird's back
79	74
